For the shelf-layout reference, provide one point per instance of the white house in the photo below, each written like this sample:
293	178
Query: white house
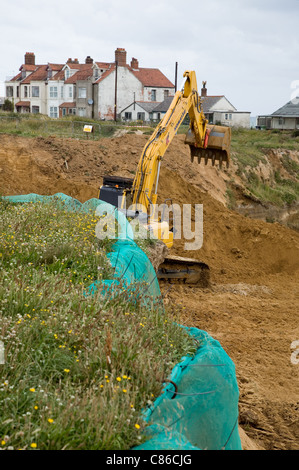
121	85
100	90
218	110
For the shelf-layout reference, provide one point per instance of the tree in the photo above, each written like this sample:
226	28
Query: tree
8	106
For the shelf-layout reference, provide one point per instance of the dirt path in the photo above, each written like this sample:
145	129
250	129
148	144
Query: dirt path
252	305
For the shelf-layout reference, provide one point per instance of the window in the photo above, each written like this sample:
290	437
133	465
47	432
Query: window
96	74
153	95
18	91
61	92
53	92
35	92
166	93
35	109
72	111
70	92
67	73
9	91
128	116
53	112
281	121
141	116
82	92
26	92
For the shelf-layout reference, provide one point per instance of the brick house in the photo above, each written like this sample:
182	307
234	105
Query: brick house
99	90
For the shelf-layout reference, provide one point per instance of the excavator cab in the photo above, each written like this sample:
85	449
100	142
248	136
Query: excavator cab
216	148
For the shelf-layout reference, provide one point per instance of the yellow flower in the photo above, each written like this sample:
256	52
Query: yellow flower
32	390
3	443
124	390
118	379
66	370
137	426
33	445
50	420
36	407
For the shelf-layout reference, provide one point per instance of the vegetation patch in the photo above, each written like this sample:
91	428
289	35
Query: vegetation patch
78	369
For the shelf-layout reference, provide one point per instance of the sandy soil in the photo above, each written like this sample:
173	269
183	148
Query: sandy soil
252	304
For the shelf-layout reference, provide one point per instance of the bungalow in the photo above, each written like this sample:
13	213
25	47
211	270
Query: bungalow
285	118
218	110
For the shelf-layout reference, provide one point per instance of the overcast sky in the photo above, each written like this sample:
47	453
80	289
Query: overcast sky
247	50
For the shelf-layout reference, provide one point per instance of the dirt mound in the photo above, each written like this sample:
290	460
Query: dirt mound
252	305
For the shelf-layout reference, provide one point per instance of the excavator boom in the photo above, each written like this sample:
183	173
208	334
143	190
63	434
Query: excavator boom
206	141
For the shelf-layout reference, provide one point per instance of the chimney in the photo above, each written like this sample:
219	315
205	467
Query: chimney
69	61
88	60
29	58
121	57
134	63
75	61
204	90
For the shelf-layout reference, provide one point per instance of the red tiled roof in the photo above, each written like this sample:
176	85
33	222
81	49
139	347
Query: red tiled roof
67	105
106	73
24	104
28	68
152	77
80	75
56	67
59	75
103	65
83	72
40	73
17	77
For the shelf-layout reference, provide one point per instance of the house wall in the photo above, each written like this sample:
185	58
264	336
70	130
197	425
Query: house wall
135	109
160	93
83	108
14	99
223	105
232	119
127	85
41	101
288	123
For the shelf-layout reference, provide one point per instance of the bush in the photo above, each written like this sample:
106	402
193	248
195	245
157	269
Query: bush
8	106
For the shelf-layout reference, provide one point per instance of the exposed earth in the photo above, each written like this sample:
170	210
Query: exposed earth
252	305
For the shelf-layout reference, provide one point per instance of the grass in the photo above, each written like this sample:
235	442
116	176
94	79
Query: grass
248	146
79	369
31	125
248	150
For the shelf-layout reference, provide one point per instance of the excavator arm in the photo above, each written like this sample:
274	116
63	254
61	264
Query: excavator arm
211	142
205	141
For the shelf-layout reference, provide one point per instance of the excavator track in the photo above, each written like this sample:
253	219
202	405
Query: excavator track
178	270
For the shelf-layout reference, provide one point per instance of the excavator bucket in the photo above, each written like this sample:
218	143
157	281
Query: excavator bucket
217	145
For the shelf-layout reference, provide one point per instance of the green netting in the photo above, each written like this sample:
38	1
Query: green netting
198	407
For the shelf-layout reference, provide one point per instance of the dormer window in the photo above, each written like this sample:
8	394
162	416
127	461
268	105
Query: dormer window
67	73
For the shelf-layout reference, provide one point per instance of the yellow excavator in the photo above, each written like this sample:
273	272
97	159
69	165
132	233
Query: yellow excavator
206	141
